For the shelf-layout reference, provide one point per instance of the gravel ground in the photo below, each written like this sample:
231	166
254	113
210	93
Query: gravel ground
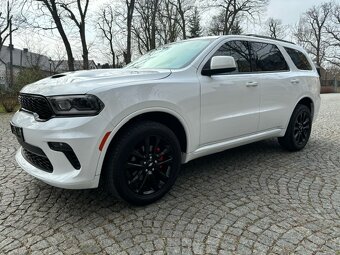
254	199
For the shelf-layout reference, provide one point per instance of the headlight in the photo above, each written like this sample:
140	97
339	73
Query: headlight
76	105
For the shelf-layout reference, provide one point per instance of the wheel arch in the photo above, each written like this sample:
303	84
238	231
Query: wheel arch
304	100
307	101
165	116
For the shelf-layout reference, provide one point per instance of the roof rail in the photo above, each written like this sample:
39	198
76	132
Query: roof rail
267	37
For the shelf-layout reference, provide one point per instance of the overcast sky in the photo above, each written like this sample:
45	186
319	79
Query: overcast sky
288	11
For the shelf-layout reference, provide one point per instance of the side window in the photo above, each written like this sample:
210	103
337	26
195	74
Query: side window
239	50
299	59
267	58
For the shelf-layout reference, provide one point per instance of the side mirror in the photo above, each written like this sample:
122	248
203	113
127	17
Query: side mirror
220	64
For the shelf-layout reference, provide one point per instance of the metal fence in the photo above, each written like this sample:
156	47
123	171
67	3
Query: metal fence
330	86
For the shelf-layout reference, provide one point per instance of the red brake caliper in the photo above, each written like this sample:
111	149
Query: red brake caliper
161	158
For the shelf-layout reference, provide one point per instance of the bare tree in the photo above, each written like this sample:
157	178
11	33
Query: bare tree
6	18
234	10
311	31
58	56
275	28
51	8
124	12
158	22
217	26
195	29
169	23
145	26
182	8
333	29
106	25
80	22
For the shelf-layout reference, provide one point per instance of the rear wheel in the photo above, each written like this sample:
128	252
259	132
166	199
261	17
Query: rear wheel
298	130
143	164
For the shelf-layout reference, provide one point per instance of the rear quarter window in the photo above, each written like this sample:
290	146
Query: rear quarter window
299	59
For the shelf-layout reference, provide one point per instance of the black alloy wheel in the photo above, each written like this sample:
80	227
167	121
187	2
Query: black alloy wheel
143	163
298	130
149	166
302	128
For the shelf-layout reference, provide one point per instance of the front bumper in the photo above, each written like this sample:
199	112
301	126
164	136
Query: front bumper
82	134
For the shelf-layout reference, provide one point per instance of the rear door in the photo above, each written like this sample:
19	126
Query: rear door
277	85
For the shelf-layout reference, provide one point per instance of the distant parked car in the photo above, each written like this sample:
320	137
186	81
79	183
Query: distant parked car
132	128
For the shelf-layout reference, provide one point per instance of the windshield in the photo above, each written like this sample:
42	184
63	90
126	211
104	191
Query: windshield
171	56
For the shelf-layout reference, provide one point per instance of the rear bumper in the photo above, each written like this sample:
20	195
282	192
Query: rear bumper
316	109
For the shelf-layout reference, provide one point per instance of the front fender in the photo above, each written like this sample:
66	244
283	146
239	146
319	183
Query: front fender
119	122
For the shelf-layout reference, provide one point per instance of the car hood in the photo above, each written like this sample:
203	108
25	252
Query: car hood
80	82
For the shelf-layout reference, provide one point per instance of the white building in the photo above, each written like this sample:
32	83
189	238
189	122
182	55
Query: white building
25	59
21	59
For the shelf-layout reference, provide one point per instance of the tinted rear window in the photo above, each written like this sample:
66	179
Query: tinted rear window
267	58
299	59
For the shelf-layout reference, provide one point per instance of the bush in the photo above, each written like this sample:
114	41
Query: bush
8	97
8	100
27	76
10	103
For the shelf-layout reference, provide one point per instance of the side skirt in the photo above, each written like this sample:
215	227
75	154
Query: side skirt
231	143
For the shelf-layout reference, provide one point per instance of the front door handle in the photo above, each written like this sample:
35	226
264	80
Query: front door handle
295	81
252	84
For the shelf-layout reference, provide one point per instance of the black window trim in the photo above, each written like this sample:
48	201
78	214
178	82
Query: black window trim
298	69
277	71
210	55
212	52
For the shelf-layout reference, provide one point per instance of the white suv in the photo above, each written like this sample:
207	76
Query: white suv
132	128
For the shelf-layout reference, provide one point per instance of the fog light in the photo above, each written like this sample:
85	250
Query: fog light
59	146
68	152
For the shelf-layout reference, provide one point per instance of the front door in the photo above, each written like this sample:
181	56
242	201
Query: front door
230	102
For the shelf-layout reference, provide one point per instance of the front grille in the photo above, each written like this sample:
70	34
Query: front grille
36	104
41	162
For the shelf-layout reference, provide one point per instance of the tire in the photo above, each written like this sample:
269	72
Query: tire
298	130
143	163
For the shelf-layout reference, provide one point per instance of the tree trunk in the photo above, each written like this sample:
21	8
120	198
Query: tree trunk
181	13
153	25
130	9
84	46
70	59
113	55
54	12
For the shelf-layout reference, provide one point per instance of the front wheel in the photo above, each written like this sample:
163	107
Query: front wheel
298	130
143	163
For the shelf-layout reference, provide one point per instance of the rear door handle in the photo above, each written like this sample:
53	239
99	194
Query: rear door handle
295	81
252	84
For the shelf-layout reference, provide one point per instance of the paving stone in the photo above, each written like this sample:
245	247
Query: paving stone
255	199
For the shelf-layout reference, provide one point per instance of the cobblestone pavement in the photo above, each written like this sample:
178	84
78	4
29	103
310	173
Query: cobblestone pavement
253	199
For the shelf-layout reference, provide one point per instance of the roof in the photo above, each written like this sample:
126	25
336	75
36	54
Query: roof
254	37
25	58
265	39
269	38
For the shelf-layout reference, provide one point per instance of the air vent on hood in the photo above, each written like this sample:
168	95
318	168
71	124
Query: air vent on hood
57	76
